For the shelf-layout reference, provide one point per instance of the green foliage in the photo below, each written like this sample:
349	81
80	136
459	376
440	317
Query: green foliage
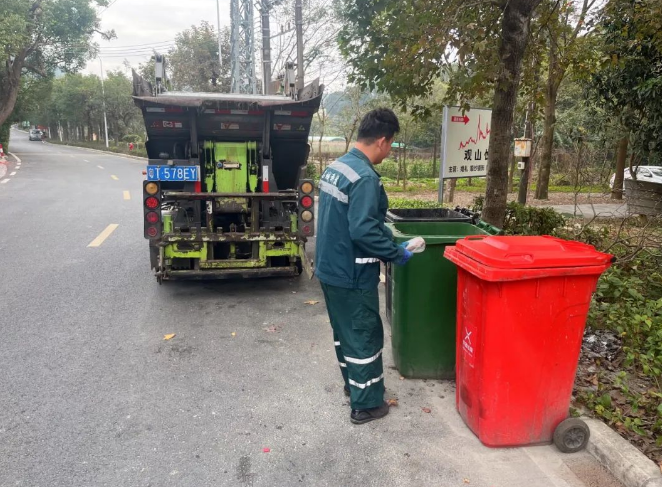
629	300
629	85
531	220
411	203
38	36
526	220
397	47
194	60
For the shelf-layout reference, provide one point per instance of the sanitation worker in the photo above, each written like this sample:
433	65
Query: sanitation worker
351	241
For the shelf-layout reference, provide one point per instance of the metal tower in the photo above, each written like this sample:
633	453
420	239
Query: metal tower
242	40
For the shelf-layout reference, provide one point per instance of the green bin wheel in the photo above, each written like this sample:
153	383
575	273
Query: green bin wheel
571	435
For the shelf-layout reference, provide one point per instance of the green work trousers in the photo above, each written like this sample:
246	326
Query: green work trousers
358	334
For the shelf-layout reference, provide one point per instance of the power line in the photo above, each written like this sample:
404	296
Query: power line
128	46
109	5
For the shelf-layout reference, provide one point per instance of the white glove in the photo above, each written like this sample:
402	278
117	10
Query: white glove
416	245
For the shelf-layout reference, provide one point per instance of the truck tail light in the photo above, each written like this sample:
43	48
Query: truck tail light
306	208
152	217
152	209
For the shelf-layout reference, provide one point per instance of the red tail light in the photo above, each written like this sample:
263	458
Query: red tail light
152	203
152	217
152	209
306	202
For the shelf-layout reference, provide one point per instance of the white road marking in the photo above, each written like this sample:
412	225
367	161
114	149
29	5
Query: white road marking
100	167
13	173
103	235
86	160
114	177
15	157
5	181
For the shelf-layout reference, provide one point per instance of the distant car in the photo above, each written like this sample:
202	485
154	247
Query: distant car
36	134
651	174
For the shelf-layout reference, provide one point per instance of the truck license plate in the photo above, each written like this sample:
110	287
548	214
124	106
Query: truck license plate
172	173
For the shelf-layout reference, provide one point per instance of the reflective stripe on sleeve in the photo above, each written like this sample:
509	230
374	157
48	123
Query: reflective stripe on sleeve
366	260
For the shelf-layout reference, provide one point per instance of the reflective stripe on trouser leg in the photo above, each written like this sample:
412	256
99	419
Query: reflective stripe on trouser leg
354	315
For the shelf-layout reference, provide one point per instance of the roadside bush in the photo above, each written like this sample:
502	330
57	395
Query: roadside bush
395	203
526	220
529	220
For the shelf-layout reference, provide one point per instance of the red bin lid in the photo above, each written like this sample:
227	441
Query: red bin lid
534	252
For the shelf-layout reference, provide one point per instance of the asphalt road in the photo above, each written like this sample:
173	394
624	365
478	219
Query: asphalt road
92	395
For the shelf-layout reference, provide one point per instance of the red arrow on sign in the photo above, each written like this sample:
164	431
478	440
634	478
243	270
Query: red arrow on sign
464	119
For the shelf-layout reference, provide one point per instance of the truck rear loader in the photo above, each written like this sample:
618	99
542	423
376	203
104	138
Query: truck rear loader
225	193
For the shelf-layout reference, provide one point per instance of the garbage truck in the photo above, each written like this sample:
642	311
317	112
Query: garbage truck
225	192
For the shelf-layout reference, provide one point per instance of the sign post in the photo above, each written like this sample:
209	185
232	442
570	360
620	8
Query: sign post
523	150
465	140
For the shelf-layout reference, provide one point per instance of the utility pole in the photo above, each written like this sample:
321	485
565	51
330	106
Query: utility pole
298	18
218	19
266	47
242	42
103	96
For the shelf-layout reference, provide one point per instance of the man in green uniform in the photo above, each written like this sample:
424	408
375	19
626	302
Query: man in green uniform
351	241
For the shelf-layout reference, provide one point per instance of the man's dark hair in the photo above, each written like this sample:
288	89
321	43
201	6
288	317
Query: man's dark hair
378	123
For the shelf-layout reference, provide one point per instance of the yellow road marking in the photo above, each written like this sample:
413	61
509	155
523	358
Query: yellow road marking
103	235
114	177
127	195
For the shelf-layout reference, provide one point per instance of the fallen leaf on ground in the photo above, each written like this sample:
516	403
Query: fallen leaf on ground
466	481
234	334
266	450
402	378
311	302
169	336
426	410
392	403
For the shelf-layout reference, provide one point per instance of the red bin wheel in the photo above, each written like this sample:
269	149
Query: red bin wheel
571	435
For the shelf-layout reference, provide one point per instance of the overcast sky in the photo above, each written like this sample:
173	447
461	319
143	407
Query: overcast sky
141	25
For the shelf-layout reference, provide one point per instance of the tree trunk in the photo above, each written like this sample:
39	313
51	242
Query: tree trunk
451	190
621	156
514	38
11	86
551	94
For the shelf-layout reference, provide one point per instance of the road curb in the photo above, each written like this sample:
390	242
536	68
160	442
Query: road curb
623	460
118	154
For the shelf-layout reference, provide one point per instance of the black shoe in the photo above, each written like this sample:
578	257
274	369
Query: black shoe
346	390
360	416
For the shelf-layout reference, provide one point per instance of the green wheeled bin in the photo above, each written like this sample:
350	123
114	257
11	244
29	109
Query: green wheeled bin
421	299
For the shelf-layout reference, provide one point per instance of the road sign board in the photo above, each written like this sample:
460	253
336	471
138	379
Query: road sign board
465	141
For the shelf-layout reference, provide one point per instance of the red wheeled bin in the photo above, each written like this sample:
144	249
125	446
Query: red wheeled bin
522	304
